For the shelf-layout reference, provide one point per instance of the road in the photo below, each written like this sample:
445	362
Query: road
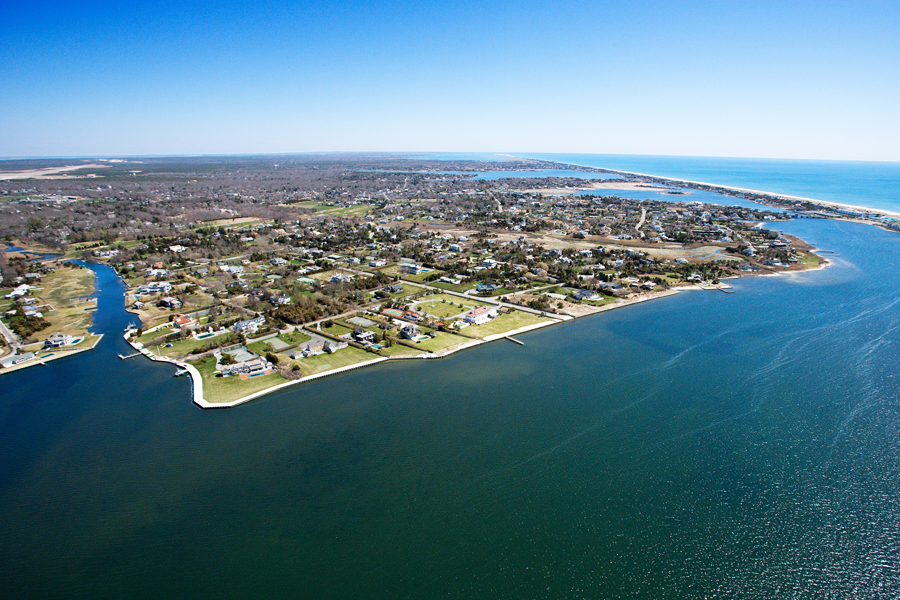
11	338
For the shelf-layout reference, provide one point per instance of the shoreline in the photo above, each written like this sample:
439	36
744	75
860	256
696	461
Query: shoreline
823	203
55	355
553	319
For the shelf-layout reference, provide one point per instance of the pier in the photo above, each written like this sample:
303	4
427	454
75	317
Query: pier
512	339
124	357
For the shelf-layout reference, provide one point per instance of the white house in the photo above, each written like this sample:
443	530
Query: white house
480	315
58	340
248	325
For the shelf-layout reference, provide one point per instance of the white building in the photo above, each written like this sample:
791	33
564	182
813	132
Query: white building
480	315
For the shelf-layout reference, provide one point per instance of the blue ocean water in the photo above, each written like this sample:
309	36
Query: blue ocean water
870	184
704	445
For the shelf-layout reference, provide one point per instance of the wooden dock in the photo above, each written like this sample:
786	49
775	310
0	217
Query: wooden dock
512	339
123	357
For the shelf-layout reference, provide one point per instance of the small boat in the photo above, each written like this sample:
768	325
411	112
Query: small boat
181	372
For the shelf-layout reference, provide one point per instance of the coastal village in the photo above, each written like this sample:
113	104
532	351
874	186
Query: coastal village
251	276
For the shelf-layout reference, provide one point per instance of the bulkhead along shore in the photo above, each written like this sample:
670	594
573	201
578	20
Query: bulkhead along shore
250	274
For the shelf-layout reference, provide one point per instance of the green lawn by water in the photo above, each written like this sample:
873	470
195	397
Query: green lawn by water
326	362
506	322
228	389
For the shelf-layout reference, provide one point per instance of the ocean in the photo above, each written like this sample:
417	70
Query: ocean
704	445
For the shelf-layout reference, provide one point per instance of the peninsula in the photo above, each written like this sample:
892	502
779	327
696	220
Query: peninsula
254	273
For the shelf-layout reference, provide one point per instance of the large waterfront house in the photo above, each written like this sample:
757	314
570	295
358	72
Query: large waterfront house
332	347
15	359
313	348
480	315
58	340
254	366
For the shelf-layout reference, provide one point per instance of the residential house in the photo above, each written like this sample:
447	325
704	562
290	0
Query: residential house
331	347
248	325
254	366
183	322
363	336
171	302
480	315
58	340
409	331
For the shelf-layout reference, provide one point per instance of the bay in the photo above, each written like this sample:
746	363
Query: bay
701	445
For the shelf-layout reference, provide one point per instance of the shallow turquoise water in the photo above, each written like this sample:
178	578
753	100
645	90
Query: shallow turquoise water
703	445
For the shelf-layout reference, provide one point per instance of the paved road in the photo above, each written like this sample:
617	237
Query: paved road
11	338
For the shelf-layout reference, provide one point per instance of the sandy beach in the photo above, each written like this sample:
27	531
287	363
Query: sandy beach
49	173
823	203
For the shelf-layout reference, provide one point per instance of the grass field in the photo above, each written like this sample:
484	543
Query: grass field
228	389
810	261
65	290
505	323
336	329
295	337
326	362
400	350
441	341
179	348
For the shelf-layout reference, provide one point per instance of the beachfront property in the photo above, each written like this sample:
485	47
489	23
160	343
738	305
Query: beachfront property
331	346
58	340
254	366
586	295
15	359
480	315
313	348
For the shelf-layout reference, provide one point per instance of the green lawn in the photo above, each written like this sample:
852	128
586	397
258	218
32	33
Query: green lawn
400	350
228	389
441	309
296	337
441	341
326	362
810	261
336	329
505	322
179	348
259	347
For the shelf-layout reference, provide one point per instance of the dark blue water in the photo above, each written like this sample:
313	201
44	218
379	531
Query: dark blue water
704	445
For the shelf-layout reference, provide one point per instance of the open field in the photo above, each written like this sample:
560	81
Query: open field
441	341
228	223
66	291
506	322
179	348
326	362
400	350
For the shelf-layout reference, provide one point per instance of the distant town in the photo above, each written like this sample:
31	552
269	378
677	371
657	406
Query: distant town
252	273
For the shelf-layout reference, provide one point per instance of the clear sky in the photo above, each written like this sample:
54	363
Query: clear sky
723	78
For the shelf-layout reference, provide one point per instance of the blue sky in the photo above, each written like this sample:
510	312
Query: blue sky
756	79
